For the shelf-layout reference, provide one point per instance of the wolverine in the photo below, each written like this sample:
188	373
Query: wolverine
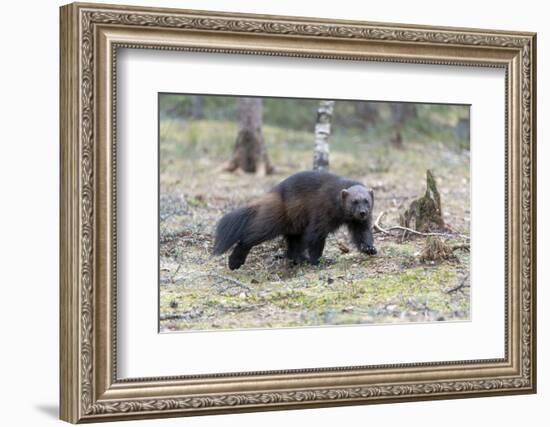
304	208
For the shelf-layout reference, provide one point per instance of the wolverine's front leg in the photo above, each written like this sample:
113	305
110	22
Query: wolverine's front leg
362	237
295	248
315	249
315	240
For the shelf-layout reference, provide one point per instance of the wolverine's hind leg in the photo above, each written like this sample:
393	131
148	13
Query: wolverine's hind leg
238	256
263	227
295	248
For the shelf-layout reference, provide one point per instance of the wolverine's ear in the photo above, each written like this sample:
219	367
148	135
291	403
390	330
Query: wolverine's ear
344	194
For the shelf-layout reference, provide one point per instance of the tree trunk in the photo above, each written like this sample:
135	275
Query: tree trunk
368	112
249	153
462	128
196	107
401	113
322	133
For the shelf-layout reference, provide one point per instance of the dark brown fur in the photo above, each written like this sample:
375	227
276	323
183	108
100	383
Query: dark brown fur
304	208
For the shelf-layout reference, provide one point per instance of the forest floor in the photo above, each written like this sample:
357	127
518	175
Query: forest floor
199	292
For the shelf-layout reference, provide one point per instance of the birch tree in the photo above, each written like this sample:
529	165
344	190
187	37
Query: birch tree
249	154
322	134
196	107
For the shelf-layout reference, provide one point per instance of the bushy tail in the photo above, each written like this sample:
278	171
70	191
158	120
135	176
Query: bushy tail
232	228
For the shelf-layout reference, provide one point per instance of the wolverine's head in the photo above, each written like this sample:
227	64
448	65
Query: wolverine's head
358	202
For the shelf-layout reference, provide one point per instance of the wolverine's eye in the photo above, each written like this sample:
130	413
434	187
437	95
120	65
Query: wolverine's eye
355	202
366	201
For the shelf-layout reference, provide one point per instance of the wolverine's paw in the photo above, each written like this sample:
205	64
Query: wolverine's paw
297	260
235	262
233	265
314	261
369	250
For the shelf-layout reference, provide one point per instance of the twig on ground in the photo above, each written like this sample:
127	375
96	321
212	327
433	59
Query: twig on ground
461	285
465	247
243	308
188	315
175	273
229	279
392	197
166	217
410	230
170	317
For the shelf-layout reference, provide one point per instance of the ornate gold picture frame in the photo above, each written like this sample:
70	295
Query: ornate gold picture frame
90	37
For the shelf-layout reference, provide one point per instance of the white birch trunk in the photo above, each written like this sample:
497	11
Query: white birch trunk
322	134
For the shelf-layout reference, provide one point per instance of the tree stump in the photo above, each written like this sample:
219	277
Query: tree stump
249	154
424	214
436	249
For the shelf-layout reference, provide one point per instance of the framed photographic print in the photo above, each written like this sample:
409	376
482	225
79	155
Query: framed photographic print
266	212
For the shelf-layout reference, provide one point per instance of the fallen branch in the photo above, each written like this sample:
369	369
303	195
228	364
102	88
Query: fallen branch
175	273
461	285
171	317
229	279
187	315
234	282
410	230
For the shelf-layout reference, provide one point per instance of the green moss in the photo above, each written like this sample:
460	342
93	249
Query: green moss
406	249
416	286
